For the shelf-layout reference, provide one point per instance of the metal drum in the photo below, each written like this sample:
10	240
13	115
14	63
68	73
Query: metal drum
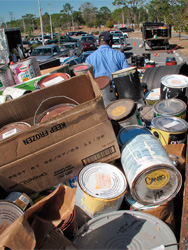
152	177
100	189
128	84
107	90
169	129
170	107
125	230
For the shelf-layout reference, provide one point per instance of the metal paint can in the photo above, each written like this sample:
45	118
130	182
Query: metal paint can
170	107
169	129
152	96
12	129
101	188
82	69
5	98
107	90
9	212
15	92
6	77
146	115
53	78
151	175
173	86
54	111
22	200
124	111
24	70
125	229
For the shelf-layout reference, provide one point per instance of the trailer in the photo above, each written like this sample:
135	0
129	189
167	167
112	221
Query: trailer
156	35
10	39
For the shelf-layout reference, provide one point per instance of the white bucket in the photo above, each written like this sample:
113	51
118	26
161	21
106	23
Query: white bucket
25	70
100	189
6	77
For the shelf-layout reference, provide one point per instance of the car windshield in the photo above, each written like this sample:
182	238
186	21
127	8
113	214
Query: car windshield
42	52
87	39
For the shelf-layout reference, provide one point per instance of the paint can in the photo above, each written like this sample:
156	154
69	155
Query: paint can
24	70
6	77
12	129
169	129
82	69
69	226
5	98
101	188
49	80
124	111
127	83
9	212
146	115
15	92
170	107
170	61
151	175
22	200
125	229
164	212
107	90
152	96
173	86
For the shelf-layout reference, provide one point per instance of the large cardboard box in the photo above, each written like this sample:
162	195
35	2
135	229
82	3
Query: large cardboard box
52	152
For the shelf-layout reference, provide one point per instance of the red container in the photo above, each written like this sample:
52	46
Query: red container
170	63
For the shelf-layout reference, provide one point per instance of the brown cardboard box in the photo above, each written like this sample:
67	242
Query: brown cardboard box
50	153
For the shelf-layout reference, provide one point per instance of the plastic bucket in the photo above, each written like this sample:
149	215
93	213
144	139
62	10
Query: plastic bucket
128	84
101	188
169	129
107	90
152	177
170	107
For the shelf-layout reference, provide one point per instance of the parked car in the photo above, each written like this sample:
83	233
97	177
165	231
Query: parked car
117	43
27	46
79	33
70	60
35	40
85	54
74	48
122	38
46	52
126	29
88	43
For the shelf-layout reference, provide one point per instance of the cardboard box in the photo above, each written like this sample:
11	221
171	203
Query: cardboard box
61	69
52	152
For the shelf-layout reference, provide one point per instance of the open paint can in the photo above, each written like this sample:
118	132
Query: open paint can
125	229
170	107
13	128
82	69
151	175
152	96
173	86
101	188
169	129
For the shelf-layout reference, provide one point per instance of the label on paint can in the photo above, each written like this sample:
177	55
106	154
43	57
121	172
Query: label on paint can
53	81
9	133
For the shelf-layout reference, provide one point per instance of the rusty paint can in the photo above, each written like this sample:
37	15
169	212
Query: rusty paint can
53	78
170	107
169	129
153	179
12	129
107	90
101	188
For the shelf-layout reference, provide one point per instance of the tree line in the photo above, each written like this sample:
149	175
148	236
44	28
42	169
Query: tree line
128	12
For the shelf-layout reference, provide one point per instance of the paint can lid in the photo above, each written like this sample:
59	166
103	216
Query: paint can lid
52	79
146	112
170	107
80	67
120	109
169	124
102	81
124	72
126	134
175	81
125	230
102	181
13	128
153	94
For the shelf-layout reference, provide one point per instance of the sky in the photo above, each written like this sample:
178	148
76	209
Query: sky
15	9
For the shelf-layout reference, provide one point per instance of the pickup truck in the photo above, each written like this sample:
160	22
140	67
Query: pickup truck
46	52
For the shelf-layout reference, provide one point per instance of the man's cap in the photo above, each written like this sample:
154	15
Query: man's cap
105	36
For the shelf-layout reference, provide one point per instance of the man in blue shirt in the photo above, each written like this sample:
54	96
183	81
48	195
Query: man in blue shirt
106	60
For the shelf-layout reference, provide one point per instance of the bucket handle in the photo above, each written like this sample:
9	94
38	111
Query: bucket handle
49	98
